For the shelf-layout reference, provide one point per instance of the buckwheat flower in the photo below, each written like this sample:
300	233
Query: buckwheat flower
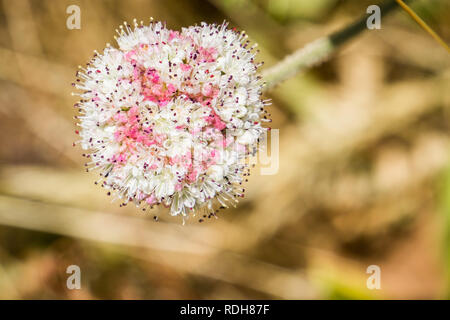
171	117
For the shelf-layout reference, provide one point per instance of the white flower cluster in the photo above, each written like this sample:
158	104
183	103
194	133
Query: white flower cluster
170	117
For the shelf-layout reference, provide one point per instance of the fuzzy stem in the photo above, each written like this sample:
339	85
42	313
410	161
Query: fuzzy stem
318	51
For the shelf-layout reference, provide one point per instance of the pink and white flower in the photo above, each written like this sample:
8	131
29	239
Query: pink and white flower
171	117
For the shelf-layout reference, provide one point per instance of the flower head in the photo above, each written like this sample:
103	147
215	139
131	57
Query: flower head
170	117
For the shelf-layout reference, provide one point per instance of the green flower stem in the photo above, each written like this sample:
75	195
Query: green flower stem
318	51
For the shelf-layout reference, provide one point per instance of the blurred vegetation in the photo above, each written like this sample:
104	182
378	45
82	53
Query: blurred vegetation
364	164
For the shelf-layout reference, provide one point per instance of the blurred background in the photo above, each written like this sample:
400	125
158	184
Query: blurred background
364	174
